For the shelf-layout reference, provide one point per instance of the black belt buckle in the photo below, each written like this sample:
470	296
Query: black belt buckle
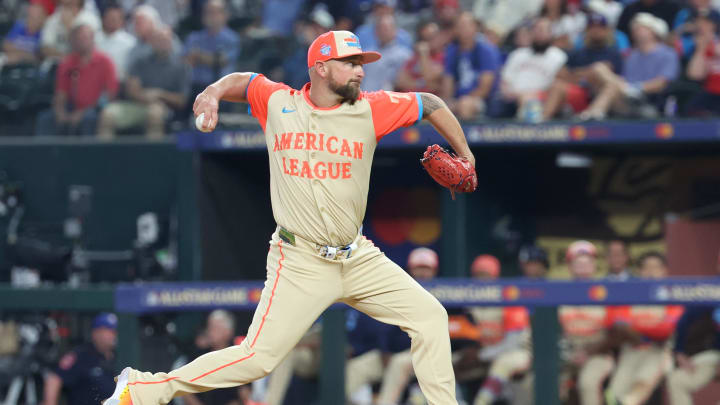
287	236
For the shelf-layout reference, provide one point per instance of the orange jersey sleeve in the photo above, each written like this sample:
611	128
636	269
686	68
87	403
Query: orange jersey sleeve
392	110
259	90
515	319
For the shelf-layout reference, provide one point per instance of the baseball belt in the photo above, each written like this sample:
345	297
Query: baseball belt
326	251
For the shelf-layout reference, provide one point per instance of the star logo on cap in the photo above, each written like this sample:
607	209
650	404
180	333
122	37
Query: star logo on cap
325	50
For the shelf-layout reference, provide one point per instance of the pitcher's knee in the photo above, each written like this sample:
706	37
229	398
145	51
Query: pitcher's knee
432	319
265	363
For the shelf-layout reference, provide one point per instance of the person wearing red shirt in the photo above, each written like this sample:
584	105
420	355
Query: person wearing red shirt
84	78
424	71
645	358
704	66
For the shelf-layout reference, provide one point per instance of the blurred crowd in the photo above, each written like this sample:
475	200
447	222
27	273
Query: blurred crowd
658	354
103	67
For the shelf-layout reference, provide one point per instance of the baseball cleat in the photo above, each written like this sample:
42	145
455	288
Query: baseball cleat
121	395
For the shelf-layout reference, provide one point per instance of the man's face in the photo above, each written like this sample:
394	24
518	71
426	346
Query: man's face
82	40
641	33
422	272
35	17
653	267
700	4
214	16
345	77
161	41
617	257
218	333
583	267
385	29
104	339
465	27
113	19
144	26
533	269
597	33
481	273
541	31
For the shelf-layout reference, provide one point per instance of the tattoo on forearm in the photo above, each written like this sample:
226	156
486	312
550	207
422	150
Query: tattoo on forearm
431	103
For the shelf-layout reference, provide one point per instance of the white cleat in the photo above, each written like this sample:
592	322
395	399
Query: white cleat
121	395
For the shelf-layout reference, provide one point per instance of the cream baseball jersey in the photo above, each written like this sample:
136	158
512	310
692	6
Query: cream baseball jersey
320	158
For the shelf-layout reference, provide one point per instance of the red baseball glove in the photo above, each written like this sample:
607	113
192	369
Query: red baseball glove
455	173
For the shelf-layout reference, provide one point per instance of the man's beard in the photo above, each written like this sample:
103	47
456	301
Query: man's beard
348	92
540	47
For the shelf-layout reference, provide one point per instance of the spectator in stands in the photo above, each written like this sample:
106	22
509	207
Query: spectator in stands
369	34
642	362
22	43
685	26
647	71
55	38
610	9
381	75
218	334
86	373
704	66
113	40
529	73
566	20
319	21
85	80
662	9
580	83
445	14
618	259
157	87
146	21
504	335
533	261
424	71
471	68
697	352
212	52
500	18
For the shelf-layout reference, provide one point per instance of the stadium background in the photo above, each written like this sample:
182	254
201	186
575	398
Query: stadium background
86	217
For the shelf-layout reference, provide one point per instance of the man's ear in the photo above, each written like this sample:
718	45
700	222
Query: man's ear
322	69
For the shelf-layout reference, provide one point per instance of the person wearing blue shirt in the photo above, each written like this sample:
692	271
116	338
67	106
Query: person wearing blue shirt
212	52
471	66
367	33
86	374
22	43
647	72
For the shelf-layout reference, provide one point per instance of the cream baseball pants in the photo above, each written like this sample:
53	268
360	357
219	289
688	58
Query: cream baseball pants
300	285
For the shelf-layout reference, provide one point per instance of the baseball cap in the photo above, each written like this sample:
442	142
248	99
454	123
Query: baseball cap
486	263
423	256
656	25
336	45
579	248
105	320
597	19
533	253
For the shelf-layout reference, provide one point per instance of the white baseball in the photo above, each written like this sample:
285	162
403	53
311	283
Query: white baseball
199	123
